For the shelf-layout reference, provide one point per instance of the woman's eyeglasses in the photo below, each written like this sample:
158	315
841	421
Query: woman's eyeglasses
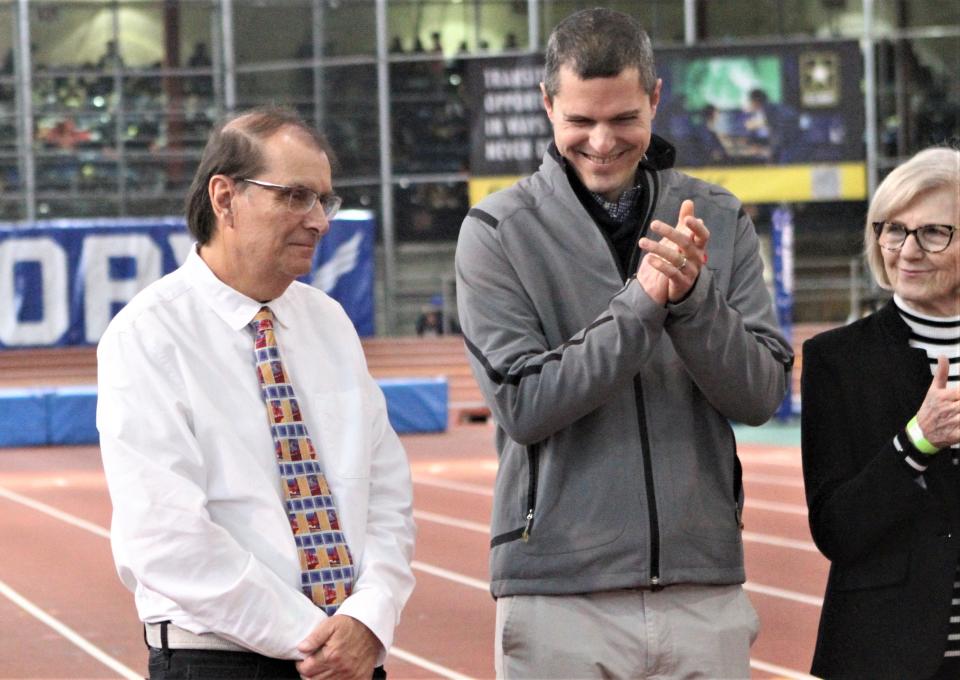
932	238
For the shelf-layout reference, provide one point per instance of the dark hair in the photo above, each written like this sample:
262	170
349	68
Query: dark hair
234	149
599	43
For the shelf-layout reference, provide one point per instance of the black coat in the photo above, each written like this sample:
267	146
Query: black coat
893	545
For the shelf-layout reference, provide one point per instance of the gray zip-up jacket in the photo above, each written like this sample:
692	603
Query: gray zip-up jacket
617	461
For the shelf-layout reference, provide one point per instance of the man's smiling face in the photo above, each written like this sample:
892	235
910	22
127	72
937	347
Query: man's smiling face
602	127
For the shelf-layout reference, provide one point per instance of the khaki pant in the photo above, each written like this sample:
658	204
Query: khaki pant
686	631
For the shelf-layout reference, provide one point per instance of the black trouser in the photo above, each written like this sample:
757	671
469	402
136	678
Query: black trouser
204	664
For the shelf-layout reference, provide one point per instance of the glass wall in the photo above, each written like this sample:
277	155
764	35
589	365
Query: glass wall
11	187
115	99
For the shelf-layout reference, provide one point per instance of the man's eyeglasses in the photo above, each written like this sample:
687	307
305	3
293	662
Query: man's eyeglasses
300	200
932	238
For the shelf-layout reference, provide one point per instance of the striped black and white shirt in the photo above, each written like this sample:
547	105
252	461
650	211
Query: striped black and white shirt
939	336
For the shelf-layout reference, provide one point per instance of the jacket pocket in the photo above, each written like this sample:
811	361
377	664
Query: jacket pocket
874	572
528	504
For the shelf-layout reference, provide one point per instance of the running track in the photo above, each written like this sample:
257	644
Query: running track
64	613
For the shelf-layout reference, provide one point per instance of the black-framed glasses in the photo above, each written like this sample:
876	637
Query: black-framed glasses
932	238
300	200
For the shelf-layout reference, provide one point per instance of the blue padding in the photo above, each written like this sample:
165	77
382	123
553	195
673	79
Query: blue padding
68	415
416	404
72	416
23	418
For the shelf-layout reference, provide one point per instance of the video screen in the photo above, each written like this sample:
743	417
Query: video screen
794	105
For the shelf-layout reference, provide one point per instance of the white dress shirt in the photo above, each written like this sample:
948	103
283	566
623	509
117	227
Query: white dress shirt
199	530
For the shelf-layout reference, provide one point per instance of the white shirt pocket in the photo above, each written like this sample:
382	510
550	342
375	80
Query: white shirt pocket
343	431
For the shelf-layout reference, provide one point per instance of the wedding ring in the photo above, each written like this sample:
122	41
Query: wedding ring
683	263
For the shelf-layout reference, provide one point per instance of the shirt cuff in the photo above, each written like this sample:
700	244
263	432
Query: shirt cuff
376	613
916	461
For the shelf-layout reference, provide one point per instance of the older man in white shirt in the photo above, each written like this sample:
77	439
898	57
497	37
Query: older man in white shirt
238	565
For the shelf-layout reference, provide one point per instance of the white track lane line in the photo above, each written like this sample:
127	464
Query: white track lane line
462	579
53	512
777	506
69	633
791	595
748	536
777	541
415	660
98	654
749	587
780	671
451	521
773	480
771	506
453	486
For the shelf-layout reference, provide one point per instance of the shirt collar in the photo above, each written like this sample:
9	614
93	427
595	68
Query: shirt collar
236	309
619	209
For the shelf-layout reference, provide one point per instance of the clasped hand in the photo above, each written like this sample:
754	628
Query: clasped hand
676	258
340	648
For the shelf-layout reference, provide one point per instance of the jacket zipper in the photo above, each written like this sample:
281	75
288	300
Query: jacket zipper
654	187
651	494
533	462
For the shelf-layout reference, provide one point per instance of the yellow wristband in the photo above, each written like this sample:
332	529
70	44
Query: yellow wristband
918	440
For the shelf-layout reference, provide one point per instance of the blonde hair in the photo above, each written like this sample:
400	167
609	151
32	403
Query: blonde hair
929	170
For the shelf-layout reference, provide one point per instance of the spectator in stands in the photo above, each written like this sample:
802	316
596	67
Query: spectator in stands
111	57
431	319
262	502
612	374
881	442
200	57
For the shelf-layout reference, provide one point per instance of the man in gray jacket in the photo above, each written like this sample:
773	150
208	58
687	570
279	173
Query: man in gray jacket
612	371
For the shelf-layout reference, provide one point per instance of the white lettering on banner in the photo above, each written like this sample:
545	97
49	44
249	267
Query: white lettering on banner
493	126
506	78
512	102
508	150
100	292
180	244
54	277
519	126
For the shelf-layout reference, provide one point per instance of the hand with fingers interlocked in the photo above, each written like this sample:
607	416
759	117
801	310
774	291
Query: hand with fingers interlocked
340	648
679	255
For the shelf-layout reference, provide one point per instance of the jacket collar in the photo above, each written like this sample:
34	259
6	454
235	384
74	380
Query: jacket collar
907	368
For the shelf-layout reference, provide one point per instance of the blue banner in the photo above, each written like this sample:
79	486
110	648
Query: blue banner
62	281
782	237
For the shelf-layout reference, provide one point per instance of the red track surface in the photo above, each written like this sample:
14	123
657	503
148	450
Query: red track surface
66	570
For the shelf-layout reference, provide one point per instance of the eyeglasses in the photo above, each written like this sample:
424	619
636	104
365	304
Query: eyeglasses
300	200
932	238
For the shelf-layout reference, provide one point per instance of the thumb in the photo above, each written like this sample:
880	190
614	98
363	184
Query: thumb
317	638
942	372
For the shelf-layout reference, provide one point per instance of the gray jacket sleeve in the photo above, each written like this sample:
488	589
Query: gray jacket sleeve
730	343
535	389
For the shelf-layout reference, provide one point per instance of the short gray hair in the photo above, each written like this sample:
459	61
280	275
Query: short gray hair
931	169
599	43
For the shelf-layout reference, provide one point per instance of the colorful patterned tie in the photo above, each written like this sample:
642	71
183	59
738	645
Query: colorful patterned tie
325	559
